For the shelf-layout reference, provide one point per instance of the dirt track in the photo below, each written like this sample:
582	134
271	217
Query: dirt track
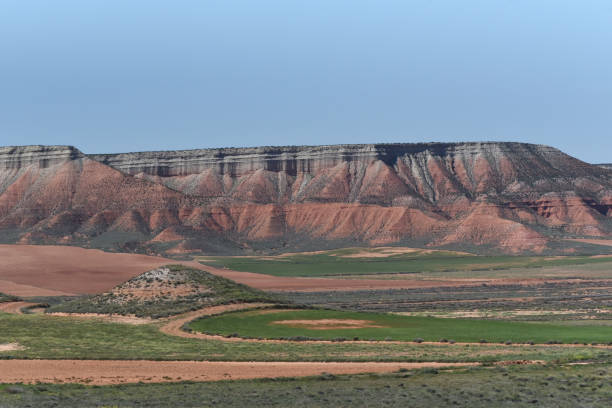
174	326
103	372
14	307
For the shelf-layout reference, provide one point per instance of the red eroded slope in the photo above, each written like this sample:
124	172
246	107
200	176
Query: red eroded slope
509	196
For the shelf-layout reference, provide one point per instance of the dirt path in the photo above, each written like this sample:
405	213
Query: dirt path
104	372
14	307
174	326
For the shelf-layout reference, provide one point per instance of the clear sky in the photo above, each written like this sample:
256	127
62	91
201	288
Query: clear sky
130	75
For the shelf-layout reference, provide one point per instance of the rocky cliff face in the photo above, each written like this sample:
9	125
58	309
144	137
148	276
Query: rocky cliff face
509	196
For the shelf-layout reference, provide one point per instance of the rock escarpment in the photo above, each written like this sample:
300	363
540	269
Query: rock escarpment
508	196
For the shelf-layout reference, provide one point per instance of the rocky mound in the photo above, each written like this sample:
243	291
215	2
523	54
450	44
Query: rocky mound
510	197
165	291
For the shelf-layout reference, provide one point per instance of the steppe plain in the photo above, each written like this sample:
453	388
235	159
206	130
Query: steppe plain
471	330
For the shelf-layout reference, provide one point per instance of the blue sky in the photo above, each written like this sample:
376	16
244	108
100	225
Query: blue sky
110	75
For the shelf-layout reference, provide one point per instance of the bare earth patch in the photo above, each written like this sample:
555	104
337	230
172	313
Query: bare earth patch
42	270
11	347
329	324
106	372
112	318
14	307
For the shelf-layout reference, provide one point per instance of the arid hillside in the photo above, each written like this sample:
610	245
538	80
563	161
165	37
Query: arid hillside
508	197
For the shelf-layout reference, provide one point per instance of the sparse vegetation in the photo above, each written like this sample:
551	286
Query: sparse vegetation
584	300
8	298
166	291
55	337
517	386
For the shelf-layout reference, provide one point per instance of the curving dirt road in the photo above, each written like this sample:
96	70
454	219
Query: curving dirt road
104	372
14	307
174	326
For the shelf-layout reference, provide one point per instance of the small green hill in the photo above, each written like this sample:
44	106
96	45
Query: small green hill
166	291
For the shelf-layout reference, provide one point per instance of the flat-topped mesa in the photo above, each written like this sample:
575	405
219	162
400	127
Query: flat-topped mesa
310	159
511	196
370	173
14	157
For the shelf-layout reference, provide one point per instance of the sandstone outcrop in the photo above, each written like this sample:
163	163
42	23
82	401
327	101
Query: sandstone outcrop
511	197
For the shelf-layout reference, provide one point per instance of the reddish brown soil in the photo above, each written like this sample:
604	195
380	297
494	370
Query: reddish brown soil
116	372
17	289
14	307
56	270
174	326
439	194
30	270
279	283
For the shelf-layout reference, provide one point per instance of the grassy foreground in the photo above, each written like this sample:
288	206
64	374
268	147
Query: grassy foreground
356	261
547	386
393	327
52	337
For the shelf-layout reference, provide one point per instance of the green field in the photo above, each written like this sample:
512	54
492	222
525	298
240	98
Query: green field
54	337
336	263
516	386
403	328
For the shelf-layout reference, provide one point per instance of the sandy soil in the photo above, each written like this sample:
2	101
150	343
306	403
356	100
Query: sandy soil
106	372
107	317
17	289
68	270
14	307
31	270
329	324
11	347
